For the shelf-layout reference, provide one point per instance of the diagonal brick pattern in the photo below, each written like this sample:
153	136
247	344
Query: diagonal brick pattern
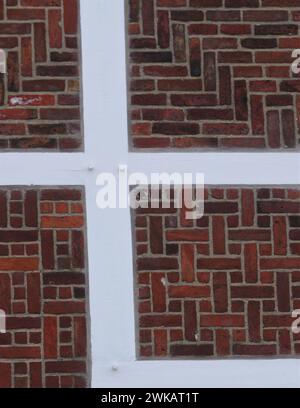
40	94
213	74
224	285
42	288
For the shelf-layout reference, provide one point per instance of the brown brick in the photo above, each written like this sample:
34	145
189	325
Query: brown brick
222	45
38	39
227	287
42	290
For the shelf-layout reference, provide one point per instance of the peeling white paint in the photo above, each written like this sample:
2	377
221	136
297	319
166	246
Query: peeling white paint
21	101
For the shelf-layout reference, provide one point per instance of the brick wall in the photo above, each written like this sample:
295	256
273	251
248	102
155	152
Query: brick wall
43	288
213	74
40	95
224	285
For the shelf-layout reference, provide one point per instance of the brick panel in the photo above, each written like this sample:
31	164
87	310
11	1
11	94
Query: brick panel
213	74
224	285
42	288
40	94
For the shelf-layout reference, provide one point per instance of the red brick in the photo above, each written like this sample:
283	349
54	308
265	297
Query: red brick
250	235
5	375
188	263
219	263
219	235
158	292
157	263
33	293
283	291
62	222
248	208
156	237
280	237
160	321
187	235
5	293
78	260
50	335
210	42
161	342
46	320
190	319
251	263
19	264
222	343
16	352
188	291
65	367
280	263
254	350
47	247
220	289
254	321
252	292
203	350
38	33
238	293
222	320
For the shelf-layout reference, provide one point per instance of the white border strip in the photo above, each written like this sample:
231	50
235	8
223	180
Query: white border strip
112	306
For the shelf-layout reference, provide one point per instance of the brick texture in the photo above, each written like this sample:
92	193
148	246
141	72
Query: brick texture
213	74
40	94
224	285
42	288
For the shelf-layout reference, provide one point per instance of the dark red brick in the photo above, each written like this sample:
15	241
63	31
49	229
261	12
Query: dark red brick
227	287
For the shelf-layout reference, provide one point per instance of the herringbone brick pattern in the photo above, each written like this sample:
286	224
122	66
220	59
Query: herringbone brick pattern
40	94
224	285
214	74
42	288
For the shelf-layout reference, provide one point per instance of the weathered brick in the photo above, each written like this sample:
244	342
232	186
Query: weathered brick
224	285
214	51
42	290
38	38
